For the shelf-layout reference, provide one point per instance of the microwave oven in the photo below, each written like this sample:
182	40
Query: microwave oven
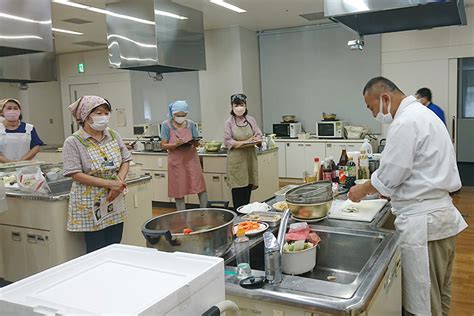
290	130
330	129
147	130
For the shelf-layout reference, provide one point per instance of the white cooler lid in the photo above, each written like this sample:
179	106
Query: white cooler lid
118	279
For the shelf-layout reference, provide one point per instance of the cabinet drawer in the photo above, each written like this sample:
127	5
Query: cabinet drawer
215	164
152	162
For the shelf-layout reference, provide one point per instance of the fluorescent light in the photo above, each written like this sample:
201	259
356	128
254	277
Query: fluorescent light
171	15
103	11
228	6
21	37
66	31
19	18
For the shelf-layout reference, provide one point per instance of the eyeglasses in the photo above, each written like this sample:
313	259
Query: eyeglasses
238	97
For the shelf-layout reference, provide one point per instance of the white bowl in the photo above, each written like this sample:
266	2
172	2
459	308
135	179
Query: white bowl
298	262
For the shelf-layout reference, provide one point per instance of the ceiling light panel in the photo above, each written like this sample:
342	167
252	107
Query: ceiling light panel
228	6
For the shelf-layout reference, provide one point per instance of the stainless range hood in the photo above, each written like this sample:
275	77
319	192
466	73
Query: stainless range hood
155	36
368	17
25	27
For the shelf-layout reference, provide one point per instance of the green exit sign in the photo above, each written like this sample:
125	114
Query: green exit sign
81	68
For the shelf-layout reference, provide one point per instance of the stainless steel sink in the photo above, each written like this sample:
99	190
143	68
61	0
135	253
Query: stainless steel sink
60	186
344	259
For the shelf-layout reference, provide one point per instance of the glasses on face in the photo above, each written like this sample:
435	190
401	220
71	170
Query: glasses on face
238	97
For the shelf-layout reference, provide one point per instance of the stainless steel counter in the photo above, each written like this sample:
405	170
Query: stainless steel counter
222	153
319	295
64	195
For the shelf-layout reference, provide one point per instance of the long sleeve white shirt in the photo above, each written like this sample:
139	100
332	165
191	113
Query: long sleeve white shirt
419	163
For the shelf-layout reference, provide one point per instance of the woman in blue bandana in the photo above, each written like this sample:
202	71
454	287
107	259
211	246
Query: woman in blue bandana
179	136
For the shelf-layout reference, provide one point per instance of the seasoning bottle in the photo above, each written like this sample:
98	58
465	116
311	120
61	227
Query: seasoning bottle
351	173
335	172
317	169
364	172
342	167
241	248
327	170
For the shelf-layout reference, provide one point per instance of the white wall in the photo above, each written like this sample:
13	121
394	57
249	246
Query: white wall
8	90
310	70
113	84
41	106
232	60
221	79
251	73
45	111
416	59
150	98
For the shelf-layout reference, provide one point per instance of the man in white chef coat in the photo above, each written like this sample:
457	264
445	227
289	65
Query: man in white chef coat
417	171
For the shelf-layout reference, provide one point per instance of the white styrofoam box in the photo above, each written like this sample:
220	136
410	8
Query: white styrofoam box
120	280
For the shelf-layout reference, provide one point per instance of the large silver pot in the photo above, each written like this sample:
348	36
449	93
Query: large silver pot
212	231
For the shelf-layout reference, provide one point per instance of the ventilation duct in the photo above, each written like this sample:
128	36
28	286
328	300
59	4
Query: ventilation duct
368	17
155	36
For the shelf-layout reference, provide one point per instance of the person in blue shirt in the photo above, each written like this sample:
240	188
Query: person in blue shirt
424	95
18	140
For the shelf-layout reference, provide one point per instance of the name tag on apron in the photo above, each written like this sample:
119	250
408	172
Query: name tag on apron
108	163
105	209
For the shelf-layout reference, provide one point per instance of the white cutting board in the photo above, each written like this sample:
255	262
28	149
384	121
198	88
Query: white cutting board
365	210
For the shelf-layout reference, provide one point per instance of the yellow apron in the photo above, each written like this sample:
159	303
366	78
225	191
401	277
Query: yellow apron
84	200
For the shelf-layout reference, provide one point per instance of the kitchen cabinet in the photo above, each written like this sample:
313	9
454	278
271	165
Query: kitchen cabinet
214	186
37	250
295	157
160	186
295	160
33	235
215	175
138	201
28	251
13	244
281	159
311	151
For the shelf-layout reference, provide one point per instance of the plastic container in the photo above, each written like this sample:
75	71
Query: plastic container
299	262
120	280
367	147
241	247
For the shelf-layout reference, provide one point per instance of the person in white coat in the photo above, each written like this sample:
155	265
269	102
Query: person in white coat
417	171
18	140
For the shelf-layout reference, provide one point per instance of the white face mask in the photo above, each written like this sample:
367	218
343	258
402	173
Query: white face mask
100	122
180	119
2	119
239	110
384	118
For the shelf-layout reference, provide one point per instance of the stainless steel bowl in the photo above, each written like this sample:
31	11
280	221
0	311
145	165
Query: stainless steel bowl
310	211
212	231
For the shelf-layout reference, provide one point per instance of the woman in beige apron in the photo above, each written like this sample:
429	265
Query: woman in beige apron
241	135
97	160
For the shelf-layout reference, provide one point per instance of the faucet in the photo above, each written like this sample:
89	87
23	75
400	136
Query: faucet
273	251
